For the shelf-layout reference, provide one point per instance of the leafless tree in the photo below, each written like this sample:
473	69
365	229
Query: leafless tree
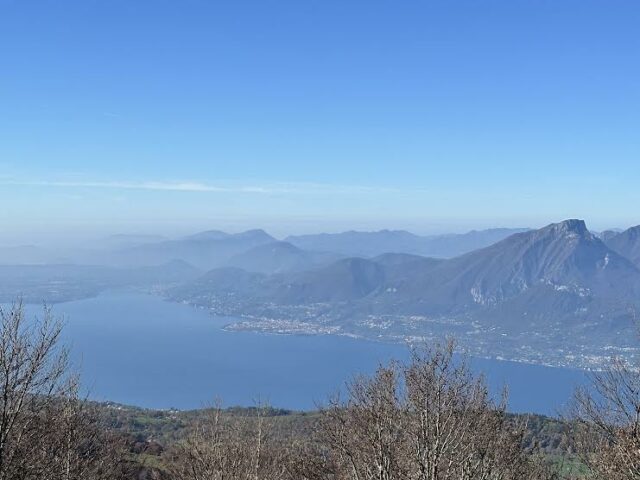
607	413
366	433
308	459
223	448
429	420
32	375
46	431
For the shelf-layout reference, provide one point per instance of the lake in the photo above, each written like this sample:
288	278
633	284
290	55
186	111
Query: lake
140	350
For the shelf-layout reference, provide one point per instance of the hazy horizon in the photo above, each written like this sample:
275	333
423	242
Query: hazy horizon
82	237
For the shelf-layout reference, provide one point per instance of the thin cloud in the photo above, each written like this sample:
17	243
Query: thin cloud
189	186
172	186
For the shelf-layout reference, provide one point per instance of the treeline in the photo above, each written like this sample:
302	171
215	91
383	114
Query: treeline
428	419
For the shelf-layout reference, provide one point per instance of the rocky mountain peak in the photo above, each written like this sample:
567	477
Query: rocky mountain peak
571	227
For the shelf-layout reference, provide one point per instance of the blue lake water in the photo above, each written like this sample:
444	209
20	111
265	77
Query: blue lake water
140	350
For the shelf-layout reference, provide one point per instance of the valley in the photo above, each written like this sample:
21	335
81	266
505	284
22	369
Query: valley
557	296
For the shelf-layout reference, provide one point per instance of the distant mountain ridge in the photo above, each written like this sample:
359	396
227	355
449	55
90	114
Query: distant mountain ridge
371	244
627	243
279	257
204	250
215	248
563	257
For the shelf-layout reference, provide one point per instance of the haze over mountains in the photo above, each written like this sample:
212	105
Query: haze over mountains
278	257
562	257
205	250
59	274
559	294
370	244
214	248
59	283
559	285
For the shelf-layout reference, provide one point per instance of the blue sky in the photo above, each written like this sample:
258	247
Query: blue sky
309	115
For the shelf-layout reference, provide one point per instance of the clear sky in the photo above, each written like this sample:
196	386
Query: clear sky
310	115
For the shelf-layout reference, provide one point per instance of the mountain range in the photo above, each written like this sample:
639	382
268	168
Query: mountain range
561	259
558	292
257	251
253	250
561	283
204	250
